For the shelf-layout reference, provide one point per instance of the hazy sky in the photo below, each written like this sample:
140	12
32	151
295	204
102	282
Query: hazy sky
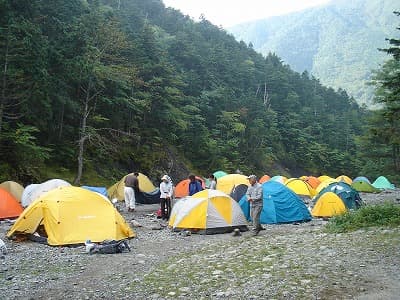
230	12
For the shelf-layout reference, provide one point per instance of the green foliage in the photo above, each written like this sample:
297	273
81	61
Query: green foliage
382	140
114	85
21	151
387	215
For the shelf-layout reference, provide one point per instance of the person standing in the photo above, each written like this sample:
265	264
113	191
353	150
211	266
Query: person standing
166	192
131	185
136	185
213	182
254	196
194	185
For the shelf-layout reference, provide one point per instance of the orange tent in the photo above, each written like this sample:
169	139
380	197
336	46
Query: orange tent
182	188
264	178
312	181
9	206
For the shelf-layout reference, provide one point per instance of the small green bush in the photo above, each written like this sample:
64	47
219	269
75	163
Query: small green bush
387	215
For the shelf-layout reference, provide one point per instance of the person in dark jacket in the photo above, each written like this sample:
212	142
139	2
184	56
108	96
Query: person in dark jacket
194	185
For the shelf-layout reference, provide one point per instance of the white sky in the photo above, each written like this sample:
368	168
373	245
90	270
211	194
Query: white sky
230	12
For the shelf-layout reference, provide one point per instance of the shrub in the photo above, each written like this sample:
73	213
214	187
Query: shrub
387	215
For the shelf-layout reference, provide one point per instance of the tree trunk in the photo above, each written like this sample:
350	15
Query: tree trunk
60	130
4	85
396	157
83	135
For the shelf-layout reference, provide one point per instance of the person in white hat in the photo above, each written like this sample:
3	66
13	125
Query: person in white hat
166	191
254	196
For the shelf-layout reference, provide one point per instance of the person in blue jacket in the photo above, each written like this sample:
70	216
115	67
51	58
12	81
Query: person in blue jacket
194	185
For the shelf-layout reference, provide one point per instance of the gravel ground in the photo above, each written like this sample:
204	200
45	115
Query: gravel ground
282	262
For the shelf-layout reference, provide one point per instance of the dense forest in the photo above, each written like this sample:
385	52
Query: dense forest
336	42
91	90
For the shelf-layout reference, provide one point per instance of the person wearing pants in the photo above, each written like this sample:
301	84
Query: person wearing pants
131	185
254	196
166	191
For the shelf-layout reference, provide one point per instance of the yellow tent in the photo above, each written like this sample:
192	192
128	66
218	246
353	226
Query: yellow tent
329	204
300	187
345	178
117	190
208	211
324	184
322	178
72	215
14	188
228	182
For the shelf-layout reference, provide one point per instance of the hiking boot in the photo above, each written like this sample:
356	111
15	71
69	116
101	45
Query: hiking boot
255	232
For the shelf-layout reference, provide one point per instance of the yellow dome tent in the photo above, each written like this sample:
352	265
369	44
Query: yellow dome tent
324	184
300	187
322	178
71	215
345	178
117	190
208	211
328	205
228	182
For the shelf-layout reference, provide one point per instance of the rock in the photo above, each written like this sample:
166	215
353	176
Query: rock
236	232
217	272
135	223
184	289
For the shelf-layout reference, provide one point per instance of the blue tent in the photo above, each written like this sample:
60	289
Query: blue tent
361	178
97	189
280	205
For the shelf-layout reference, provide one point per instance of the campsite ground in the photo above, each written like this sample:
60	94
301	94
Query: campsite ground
289	261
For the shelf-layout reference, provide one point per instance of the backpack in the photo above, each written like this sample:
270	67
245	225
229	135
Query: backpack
111	247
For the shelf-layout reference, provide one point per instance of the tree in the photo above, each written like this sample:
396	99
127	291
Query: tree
384	126
102	42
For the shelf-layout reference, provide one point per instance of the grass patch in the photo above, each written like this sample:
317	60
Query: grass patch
386	215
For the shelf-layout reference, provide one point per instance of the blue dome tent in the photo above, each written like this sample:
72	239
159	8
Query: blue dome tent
280	205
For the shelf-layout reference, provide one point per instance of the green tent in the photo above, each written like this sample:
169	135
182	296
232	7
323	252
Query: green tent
219	174
383	183
363	186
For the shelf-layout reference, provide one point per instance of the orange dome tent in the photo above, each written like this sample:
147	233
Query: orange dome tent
312	181
264	179
9	206
182	188
14	188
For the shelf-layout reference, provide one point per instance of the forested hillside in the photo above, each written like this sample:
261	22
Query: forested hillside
93	89
337	43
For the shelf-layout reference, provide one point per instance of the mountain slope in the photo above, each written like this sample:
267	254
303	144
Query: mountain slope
337	42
